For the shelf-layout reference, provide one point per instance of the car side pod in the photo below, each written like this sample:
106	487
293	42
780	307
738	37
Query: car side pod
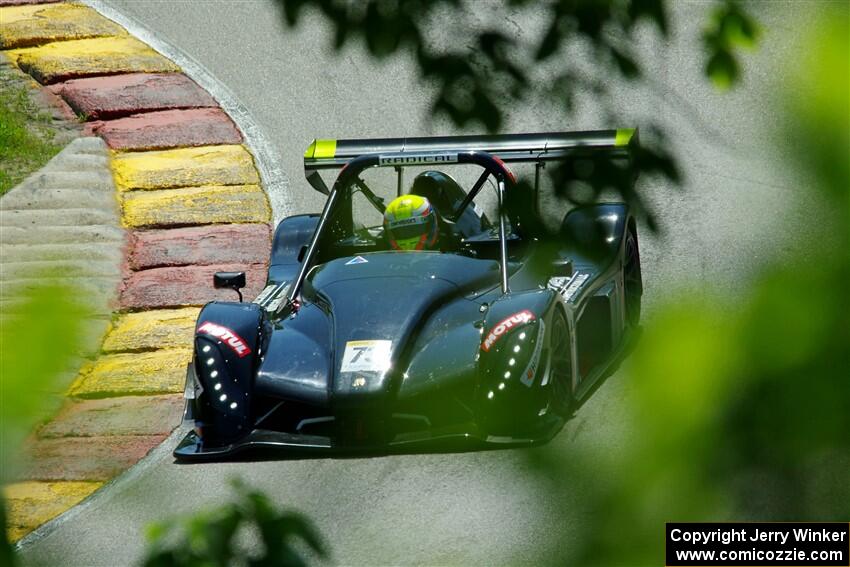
228	344
513	362
595	233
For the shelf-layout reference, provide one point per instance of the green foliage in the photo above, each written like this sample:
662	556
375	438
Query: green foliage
742	413
26	143
38	344
210	539
7	554
730	28
478	80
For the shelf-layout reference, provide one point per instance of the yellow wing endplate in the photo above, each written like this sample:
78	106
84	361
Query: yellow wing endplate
321	149
623	136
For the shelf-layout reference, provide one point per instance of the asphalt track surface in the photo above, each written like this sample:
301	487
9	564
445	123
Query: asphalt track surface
467	508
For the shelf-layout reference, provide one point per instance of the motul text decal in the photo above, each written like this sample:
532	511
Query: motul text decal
228	337
505	325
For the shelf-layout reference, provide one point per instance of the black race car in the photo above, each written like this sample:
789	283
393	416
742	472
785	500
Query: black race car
491	340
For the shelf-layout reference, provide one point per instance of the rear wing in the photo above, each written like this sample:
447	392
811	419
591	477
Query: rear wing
531	148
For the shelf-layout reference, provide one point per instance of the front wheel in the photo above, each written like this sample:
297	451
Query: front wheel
561	398
632	279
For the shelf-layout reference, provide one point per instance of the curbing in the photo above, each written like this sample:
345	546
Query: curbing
195	206
43	501
33	25
169	128
101	98
79	58
184	181
184	167
266	158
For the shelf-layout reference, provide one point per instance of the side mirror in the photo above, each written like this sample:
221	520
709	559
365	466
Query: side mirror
562	267
301	253
230	280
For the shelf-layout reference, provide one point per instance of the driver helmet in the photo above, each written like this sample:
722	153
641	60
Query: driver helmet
410	223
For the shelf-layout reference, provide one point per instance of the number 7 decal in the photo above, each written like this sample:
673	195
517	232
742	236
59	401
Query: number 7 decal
362	356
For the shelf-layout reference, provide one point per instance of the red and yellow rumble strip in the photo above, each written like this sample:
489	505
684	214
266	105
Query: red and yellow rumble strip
191	204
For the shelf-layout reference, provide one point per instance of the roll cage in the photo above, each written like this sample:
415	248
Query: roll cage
489	152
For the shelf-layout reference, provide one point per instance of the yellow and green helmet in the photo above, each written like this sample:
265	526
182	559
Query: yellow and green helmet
410	223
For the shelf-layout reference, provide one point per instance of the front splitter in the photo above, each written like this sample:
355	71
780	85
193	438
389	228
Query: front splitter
192	448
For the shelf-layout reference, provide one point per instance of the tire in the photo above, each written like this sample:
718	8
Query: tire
632	279
561	398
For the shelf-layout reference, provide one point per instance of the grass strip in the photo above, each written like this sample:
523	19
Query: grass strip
26	136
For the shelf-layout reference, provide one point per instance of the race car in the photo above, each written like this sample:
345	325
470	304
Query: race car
494	338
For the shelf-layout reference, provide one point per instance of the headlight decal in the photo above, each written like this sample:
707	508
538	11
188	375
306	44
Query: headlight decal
226	336
503	326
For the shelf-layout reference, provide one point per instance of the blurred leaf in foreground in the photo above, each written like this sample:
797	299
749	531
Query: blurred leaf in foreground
739	408
39	343
211	538
729	29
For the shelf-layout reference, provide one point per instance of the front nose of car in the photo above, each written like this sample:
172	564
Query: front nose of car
374	320
360	429
361	389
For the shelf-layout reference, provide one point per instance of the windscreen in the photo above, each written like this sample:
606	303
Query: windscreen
357	223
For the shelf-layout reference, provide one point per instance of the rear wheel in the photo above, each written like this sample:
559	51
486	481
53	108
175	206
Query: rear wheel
560	366
632	280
